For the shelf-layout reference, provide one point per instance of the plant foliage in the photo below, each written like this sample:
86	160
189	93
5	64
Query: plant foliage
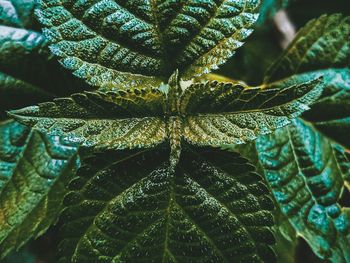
147	157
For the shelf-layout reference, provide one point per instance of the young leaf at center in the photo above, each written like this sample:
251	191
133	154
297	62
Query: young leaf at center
205	114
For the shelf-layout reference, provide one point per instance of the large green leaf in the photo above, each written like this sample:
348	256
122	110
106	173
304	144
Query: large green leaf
322	47
238	114
125	206
321	44
34	171
114	120
19	50
205	114
28	72
263	47
306	173
125	43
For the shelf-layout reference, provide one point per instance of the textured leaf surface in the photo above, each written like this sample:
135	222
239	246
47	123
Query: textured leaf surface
306	173
109	43
215	209
143	118
321	44
239	114
13	139
322	47
33	172
28	73
114	120
263	46
16	88
17	13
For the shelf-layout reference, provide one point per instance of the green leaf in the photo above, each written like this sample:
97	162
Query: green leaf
28	73
306	174
22	256
113	120
214	209
17	13
125	43
18	49
263	46
331	113
322	47
205	114
269	8
321	44
13	139
223	113
34	171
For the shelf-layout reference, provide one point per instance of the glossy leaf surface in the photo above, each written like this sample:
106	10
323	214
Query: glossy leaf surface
306	172
28	72
214	209
110	43
210	114
34	171
322	47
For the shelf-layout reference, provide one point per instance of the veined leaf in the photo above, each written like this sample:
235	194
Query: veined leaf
28	73
239	114
305	172
315	48
113	120
123	43
263	46
144	118
322	47
13	139
34	171
17	13
214	209
16	88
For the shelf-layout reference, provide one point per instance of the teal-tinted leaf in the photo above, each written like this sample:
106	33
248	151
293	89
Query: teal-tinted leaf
306	175
22	256
269	8
34	171
19	50
322	47
111	43
13	139
321	44
331	113
214	209
8	14
28	73
17	13
338	130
